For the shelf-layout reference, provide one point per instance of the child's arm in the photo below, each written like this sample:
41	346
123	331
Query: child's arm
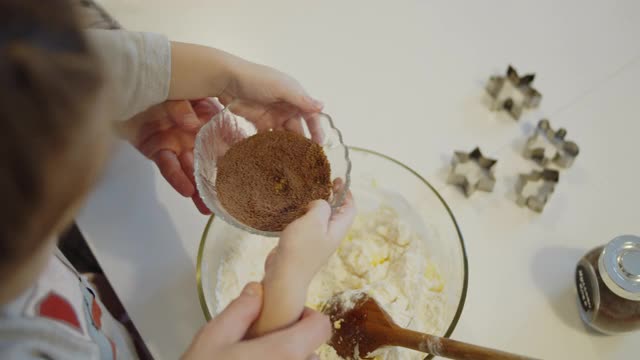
304	247
144	69
200	71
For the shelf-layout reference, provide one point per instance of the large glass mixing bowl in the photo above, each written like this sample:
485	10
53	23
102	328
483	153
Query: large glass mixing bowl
374	178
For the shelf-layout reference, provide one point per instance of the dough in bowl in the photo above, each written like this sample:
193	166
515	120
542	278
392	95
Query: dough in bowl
381	256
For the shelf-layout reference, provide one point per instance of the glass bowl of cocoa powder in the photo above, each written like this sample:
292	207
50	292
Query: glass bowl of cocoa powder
260	178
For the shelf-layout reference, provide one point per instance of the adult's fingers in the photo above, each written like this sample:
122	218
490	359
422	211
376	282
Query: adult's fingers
315	129
295	125
256	113
200	205
342	219
270	116
206	109
316	219
175	141
270	258
233	322
186	161
319	211
182	114
171	170
225	99
291	91
307	312
143	126
298	341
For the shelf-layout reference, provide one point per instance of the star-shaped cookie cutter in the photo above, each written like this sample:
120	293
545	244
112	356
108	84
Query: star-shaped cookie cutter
513	92
547	178
564	153
480	177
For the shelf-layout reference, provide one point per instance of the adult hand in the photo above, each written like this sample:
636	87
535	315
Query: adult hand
304	247
165	133
224	337
307	243
271	99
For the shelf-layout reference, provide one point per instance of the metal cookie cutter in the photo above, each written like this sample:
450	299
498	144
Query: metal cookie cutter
546	179
564	152
472	171
513	92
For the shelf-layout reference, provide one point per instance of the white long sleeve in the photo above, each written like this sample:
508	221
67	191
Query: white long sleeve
138	68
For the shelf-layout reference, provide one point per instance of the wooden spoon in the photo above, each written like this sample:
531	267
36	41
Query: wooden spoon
360	326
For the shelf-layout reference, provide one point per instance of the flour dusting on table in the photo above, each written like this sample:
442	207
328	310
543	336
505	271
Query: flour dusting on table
381	256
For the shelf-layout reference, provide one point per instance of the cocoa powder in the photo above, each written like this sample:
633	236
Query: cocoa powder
267	180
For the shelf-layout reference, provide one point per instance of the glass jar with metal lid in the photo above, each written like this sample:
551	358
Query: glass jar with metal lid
608	284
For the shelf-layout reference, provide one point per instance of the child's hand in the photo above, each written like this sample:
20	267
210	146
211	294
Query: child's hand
269	98
224	337
264	85
304	247
265	96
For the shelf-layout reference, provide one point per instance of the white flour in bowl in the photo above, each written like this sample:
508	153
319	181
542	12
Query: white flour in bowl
381	256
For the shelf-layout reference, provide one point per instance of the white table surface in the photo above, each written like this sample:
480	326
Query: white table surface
406	78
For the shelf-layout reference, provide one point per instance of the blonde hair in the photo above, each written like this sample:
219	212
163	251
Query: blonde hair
50	80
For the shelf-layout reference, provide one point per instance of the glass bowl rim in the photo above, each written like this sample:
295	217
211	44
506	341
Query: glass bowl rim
465	261
230	219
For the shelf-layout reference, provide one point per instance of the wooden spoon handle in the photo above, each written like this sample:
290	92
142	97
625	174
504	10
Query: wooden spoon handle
447	348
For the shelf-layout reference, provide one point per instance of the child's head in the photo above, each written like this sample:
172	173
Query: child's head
54	135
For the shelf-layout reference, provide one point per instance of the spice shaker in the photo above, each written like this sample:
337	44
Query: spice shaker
608	284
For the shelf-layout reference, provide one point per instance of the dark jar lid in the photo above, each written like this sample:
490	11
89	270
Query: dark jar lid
619	266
